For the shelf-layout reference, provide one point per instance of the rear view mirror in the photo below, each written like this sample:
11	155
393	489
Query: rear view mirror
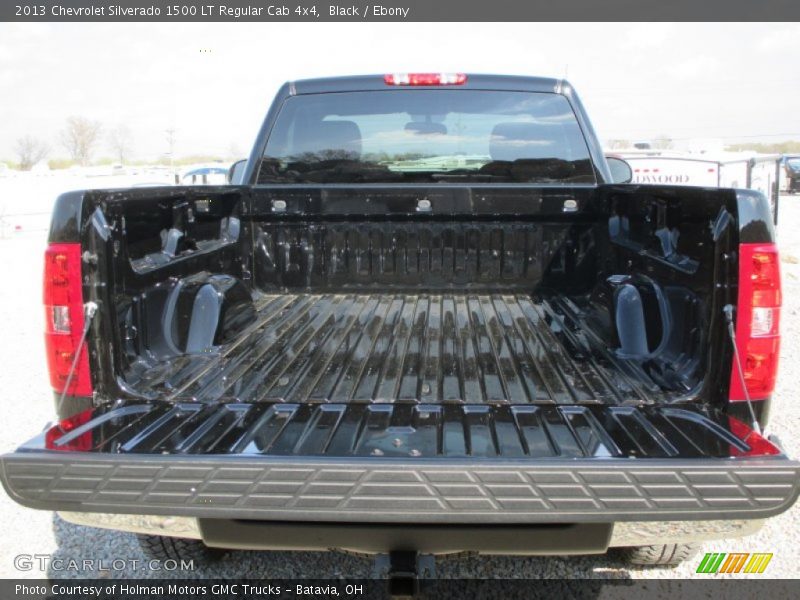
621	171
426	128
236	172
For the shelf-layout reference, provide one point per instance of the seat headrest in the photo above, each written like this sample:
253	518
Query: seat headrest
344	136
513	141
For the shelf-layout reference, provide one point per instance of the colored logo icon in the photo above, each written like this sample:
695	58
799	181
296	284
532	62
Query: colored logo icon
734	562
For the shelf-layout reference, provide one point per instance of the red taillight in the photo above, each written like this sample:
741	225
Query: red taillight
80	443
757	321
63	305
425	79
758	445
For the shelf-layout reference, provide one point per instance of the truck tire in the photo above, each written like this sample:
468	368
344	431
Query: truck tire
666	555
164	548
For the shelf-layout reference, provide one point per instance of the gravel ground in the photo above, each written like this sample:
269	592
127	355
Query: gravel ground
23	381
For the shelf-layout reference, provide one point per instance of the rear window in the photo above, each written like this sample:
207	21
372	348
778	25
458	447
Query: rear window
422	136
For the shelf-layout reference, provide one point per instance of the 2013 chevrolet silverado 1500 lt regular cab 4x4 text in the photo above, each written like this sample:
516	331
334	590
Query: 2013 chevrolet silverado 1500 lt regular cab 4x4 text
427	317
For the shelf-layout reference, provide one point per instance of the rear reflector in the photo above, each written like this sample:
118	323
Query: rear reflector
757	444
757	321
63	303
58	436
425	79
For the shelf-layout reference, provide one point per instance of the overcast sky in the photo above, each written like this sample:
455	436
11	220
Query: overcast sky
213	83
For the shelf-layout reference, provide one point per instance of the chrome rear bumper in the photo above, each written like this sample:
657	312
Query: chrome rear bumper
633	533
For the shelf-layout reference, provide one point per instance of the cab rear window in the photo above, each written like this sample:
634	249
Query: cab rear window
422	136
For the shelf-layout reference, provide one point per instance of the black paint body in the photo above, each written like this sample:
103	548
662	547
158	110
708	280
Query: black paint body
333	322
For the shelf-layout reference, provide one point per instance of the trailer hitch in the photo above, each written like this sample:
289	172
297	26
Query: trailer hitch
404	569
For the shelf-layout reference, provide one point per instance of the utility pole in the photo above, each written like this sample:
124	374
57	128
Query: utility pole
171	144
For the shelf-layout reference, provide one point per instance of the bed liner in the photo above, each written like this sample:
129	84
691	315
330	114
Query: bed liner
431	348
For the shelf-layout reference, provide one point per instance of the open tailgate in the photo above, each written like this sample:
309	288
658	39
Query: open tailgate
394	463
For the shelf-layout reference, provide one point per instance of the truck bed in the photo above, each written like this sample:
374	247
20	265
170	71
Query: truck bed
431	348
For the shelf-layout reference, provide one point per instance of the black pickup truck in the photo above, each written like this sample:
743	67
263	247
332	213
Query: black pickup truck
428	316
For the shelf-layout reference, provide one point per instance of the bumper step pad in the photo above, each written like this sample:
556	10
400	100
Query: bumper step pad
394	491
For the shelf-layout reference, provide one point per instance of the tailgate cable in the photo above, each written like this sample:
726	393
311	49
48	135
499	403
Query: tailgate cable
89	311
728	310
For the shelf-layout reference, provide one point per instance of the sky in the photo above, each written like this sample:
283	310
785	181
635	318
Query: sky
212	83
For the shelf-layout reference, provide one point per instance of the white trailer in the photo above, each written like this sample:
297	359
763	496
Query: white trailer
761	172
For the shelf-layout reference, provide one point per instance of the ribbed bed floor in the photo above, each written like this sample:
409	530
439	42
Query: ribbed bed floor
410	348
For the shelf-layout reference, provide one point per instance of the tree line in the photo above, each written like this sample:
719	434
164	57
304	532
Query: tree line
788	147
81	138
